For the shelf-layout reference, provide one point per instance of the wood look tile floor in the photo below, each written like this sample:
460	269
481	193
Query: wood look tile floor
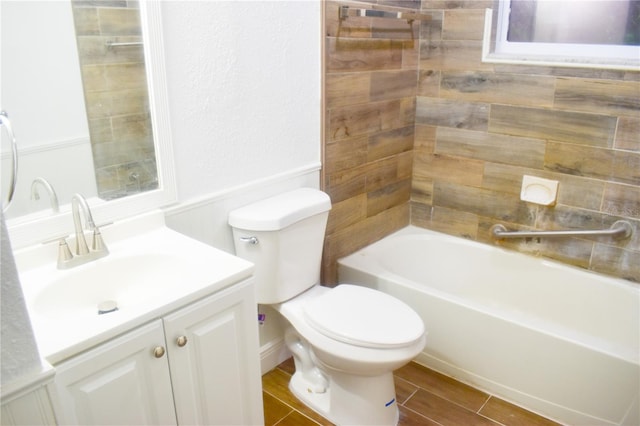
424	396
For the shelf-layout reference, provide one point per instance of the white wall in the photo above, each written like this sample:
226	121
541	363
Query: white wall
245	103
41	90
244	90
41	83
244	81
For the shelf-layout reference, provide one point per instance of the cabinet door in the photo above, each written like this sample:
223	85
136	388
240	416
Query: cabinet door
214	359
122	382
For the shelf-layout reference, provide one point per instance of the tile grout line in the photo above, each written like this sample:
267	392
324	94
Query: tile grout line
422	415
412	394
302	414
290	407
418	387
274	396
484	404
282	402
409	397
484	415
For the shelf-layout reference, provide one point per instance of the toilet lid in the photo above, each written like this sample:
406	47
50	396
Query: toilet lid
364	317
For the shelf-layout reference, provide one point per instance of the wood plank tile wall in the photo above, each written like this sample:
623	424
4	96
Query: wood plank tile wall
480	127
423	119
371	87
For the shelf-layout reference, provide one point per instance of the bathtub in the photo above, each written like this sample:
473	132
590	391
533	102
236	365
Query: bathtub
554	339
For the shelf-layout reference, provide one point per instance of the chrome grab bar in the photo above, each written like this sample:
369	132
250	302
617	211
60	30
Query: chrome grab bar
620	230
6	123
111	44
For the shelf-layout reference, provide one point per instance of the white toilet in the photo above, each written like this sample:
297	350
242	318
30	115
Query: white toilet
346	341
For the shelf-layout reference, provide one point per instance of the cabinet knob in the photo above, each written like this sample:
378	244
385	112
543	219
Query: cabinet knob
158	352
181	341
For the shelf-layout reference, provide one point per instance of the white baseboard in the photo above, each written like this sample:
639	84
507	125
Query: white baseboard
272	354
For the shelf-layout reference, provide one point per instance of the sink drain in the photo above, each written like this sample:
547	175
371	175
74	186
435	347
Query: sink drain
107	306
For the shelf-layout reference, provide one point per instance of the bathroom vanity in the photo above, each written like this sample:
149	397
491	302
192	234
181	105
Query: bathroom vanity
188	367
181	347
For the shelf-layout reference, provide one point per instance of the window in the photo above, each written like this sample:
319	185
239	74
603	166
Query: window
579	33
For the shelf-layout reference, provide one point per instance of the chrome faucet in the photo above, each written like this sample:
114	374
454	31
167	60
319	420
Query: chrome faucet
83	254
53	198
81	243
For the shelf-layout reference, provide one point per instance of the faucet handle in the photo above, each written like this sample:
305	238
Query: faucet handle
64	253
98	244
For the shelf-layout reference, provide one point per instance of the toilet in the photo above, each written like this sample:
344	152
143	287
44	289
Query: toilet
347	340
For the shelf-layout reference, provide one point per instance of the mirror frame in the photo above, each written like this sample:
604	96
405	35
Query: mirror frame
33	229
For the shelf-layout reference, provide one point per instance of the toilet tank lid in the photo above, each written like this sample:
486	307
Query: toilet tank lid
280	211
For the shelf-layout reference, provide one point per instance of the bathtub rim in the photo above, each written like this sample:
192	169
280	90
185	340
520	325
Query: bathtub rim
493	385
629	354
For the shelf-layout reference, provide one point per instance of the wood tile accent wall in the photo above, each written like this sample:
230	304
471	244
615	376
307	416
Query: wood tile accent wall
371	80
481	127
424	119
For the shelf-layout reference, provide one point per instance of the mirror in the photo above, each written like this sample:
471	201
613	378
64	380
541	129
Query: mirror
120	162
111	56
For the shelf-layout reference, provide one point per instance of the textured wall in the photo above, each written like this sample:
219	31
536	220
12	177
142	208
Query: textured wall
480	127
244	85
477	129
19	354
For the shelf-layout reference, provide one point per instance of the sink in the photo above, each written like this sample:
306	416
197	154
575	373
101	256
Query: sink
150	271
131	282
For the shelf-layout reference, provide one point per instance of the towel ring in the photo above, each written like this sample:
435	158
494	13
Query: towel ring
6	123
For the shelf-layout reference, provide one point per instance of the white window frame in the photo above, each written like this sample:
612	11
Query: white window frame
497	49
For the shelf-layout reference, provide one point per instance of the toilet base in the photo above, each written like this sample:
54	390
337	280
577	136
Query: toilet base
350	399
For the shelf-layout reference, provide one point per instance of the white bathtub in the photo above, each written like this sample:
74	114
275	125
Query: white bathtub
554	339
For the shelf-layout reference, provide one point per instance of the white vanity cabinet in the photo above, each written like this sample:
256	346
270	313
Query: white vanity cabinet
214	360
195	365
119	382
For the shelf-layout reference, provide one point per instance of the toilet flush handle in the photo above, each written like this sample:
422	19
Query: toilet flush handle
250	240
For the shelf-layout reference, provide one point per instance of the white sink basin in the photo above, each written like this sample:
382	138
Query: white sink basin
147	275
131	282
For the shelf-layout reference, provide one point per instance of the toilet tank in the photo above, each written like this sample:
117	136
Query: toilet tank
283	236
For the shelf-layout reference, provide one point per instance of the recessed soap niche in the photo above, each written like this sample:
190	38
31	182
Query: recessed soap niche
539	191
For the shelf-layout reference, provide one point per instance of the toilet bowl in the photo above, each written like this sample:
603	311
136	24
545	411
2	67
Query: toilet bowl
345	372
346	341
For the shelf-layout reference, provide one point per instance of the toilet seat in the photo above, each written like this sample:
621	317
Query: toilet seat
363	317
